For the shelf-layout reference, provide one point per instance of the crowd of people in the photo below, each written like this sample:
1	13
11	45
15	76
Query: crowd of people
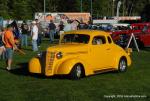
15	36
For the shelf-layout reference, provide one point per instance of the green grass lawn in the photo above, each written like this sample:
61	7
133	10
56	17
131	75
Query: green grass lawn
19	85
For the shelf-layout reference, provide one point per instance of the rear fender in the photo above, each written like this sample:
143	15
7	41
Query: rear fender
128	51
117	59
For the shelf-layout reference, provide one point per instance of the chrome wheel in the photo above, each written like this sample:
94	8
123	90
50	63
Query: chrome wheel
122	65
78	71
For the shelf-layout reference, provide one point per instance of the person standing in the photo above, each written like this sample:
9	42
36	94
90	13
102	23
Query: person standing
82	25
68	26
9	43
74	25
40	32
24	38
61	28
52	29
2	48
34	35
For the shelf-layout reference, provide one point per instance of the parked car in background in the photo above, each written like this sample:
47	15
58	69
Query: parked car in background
81	53
140	30
142	34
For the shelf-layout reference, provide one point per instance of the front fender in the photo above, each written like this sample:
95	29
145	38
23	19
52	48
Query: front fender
66	66
34	66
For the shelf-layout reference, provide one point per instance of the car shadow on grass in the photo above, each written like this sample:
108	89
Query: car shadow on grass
22	70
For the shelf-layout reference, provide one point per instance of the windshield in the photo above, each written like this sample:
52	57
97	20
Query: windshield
75	38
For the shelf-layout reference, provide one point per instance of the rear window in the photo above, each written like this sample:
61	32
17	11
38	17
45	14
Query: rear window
98	40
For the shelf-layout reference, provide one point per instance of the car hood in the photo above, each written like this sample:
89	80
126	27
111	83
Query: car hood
69	48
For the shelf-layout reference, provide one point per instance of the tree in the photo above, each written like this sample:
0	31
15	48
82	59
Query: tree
25	9
20	9
102	8
4	8
68	6
145	14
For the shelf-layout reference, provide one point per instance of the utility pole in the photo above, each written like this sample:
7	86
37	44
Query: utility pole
81	6
44	9
118	8
131	8
91	9
113	8
123	7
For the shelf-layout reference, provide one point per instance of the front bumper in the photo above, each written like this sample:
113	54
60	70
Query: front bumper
42	64
35	66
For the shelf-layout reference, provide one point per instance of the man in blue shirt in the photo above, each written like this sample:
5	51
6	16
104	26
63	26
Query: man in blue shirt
52	29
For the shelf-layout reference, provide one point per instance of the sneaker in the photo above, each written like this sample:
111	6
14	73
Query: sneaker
8	68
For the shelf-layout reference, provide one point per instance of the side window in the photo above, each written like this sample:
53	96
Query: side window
109	39
145	28
98	40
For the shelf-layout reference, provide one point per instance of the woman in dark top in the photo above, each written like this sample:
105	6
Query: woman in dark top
2	48
61	26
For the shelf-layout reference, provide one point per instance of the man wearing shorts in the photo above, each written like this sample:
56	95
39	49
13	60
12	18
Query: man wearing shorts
9	45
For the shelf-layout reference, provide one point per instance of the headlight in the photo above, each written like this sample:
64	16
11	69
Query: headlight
59	55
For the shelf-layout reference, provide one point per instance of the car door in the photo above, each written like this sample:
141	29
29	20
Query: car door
98	53
111	52
145	38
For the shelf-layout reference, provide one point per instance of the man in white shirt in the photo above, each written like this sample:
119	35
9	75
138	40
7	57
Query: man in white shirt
68	26
74	25
34	35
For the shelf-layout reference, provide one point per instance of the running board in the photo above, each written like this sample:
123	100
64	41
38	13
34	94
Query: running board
104	70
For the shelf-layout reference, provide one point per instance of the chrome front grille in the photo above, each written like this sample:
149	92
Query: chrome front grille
50	60
43	62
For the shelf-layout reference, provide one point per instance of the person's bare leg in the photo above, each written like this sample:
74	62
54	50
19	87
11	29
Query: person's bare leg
1	51
9	62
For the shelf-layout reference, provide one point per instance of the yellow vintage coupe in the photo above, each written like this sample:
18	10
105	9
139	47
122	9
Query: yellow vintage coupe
81	53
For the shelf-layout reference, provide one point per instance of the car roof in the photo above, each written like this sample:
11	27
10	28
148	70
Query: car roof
88	32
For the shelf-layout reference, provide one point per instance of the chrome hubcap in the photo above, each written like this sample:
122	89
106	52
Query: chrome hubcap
78	71
122	65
